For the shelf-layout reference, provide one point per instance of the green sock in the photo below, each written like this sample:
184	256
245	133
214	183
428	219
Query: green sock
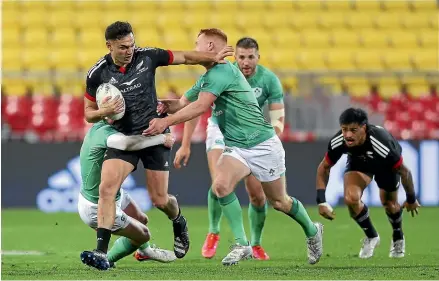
233	213
144	246
299	214
215	212
256	216
122	247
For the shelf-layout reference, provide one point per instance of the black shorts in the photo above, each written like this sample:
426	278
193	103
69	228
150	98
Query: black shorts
156	158
387	180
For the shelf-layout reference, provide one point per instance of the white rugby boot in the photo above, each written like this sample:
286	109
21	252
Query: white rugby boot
368	248
397	249
315	245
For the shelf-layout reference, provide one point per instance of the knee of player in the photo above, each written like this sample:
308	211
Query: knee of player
390	206
280	205
220	188
160	201
257	200
352	199
107	191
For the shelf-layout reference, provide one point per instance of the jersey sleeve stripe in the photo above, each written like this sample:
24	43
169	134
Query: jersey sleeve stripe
89	97
398	164
336	139
171	57
95	68
378	148
337	144
379	144
328	160
379	152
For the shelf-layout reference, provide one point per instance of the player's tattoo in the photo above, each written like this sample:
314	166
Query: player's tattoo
406	179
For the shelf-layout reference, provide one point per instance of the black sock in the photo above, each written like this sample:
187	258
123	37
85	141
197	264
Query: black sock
365	223
396	222
103	239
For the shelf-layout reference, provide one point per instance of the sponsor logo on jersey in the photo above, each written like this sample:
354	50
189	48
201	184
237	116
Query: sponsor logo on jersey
131	88
138	66
112	81
130	82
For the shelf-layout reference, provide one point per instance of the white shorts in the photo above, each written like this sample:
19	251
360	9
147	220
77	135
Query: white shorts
88	211
266	160
214	138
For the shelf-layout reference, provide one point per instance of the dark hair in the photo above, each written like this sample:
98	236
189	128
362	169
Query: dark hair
118	30
353	115
213	32
247	43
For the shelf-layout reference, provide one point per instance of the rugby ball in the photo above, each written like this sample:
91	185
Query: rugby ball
109	90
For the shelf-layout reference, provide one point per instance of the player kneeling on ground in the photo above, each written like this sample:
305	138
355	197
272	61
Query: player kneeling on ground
372	153
130	221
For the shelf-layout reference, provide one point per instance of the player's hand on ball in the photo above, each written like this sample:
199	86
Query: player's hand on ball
156	127
413	208
169	140
226	52
183	154
326	211
113	106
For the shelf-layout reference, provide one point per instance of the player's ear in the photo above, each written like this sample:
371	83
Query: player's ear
108	44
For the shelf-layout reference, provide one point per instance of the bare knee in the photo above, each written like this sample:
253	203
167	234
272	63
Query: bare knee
107	190
390	206
257	200
221	189
352	199
281	205
143	218
160	201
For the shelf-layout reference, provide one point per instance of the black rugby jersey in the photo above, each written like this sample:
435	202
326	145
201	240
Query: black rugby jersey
380	151
136	82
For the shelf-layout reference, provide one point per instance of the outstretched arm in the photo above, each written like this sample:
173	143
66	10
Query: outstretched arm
194	57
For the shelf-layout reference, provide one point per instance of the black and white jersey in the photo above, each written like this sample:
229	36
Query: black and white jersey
136	82
380	152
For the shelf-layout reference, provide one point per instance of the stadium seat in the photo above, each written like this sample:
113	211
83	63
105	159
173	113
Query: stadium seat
35	37
91	38
12	60
250	19
388	21
397	60
337	6
315	39
63	37
64	59
197	7
429	38
61	19
415	20
368	60
311	60
420	6
287	37
395	6
223	6
404	39
35	59
371	38
341	59
333	21
281	20
304	20
426	60
357	20
344	38
307	5
373	5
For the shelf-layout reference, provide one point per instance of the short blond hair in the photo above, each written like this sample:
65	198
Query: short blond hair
213	32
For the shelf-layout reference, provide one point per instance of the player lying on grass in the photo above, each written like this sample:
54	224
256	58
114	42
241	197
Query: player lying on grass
130	222
251	146
267	89
372	153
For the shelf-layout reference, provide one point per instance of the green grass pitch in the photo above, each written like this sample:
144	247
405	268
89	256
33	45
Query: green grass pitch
61	237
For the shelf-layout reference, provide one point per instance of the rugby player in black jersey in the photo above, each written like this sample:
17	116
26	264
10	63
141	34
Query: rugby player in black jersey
373	153
132	71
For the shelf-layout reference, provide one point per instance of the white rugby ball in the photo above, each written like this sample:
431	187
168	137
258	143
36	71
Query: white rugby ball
105	90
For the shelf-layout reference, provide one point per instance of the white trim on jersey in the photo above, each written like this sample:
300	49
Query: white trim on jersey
380	148
337	141
95	67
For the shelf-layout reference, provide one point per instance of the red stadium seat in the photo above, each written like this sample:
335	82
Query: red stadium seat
17	113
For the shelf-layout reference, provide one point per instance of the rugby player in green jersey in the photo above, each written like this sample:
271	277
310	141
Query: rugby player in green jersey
251	146
267	89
